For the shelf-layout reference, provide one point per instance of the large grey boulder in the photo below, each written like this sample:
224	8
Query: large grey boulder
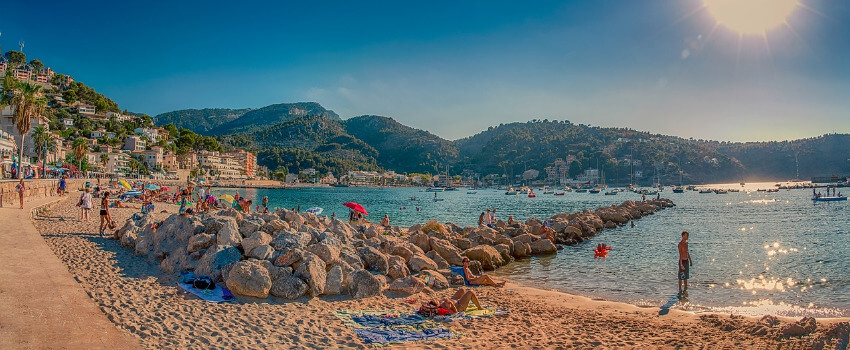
312	270
324	251
228	234
250	225
374	259
352	258
257	239
263	252
422	241
364	284
441	263
407	285
249	278
446	250
288	286
521	249
289	257
402	251
489	257
505	251
543	246
421	262
397	268
291	239
200	241
215	258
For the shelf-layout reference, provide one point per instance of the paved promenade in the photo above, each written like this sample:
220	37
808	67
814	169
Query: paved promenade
41	305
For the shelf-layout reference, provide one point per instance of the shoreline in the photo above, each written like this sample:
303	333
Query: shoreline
140	298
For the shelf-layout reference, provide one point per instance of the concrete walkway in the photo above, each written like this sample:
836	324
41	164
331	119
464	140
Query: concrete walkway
41	305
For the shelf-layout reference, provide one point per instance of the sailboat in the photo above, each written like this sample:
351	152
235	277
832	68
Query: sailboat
680	188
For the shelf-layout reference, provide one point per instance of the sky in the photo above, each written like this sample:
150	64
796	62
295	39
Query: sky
671	67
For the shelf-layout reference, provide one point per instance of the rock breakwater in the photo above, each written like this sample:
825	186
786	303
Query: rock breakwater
289	255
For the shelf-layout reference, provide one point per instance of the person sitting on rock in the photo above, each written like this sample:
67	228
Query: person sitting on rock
483	280
458	302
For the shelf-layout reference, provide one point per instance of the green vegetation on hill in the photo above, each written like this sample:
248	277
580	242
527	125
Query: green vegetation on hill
262	118
200	120
77	91
401	147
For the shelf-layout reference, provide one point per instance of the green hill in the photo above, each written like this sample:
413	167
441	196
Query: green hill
261	118
201	121
401	147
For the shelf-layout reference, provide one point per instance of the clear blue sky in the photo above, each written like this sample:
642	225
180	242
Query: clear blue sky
455	68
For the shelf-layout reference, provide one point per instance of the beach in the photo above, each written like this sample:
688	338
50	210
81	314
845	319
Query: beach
137	297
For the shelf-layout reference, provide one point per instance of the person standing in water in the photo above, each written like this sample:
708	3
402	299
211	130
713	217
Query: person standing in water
685	262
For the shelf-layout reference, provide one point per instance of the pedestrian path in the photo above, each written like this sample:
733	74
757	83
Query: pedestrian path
41	305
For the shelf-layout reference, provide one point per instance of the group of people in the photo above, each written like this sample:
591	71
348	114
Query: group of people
488	218
818	194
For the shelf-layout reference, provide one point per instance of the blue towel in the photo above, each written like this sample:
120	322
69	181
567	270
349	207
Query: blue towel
376	321
377	335
459	270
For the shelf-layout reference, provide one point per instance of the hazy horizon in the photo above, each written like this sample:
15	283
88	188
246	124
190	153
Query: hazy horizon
679	68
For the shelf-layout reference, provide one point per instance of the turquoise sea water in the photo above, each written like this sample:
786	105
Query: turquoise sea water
754	252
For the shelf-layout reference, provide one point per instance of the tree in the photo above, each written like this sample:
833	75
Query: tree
42	142
16	58
79	147
26	100
36	65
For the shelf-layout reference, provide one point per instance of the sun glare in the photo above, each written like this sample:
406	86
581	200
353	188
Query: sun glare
750	16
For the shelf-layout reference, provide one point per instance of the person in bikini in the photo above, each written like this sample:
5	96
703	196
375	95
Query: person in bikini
458	302
483	280
685	262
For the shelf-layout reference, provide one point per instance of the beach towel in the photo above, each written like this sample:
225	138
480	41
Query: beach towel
459	270
389	326
387	336
217	295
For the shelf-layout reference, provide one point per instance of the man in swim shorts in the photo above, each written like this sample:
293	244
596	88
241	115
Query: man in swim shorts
684	262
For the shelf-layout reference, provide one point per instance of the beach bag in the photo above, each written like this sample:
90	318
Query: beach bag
203	282
428	310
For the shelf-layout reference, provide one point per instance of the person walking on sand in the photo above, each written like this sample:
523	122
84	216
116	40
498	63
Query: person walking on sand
105	216
685	262
85	205
21	188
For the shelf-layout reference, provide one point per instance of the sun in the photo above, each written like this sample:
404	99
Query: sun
750	16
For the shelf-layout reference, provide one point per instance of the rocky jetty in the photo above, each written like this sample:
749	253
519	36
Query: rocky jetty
290	255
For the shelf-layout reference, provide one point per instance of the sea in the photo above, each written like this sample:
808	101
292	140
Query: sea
753	252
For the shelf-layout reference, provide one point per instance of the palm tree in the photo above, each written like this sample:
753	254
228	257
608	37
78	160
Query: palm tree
26	99
80	148
104	158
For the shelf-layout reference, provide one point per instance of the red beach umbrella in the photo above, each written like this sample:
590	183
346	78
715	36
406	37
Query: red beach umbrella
356	207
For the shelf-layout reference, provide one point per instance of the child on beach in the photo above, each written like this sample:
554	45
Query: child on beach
21	189
85	204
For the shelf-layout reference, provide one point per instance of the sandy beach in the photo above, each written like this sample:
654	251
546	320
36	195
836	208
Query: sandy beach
133	293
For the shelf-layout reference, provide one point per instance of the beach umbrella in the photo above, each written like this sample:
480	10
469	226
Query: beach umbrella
356	207
133	193
165	188
315	210
152	187
125	184
227	198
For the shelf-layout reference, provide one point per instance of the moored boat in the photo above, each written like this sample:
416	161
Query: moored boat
829	199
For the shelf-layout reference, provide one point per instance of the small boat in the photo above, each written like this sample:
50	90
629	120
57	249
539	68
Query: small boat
706	191
450	189
439	199
560	193
511	192
548	192
829	199
531	194
315	210
721	191
471	192
679	190
581	190
434	189
594	190
611	193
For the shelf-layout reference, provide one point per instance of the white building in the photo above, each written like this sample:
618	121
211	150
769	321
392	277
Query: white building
85	109
68	122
